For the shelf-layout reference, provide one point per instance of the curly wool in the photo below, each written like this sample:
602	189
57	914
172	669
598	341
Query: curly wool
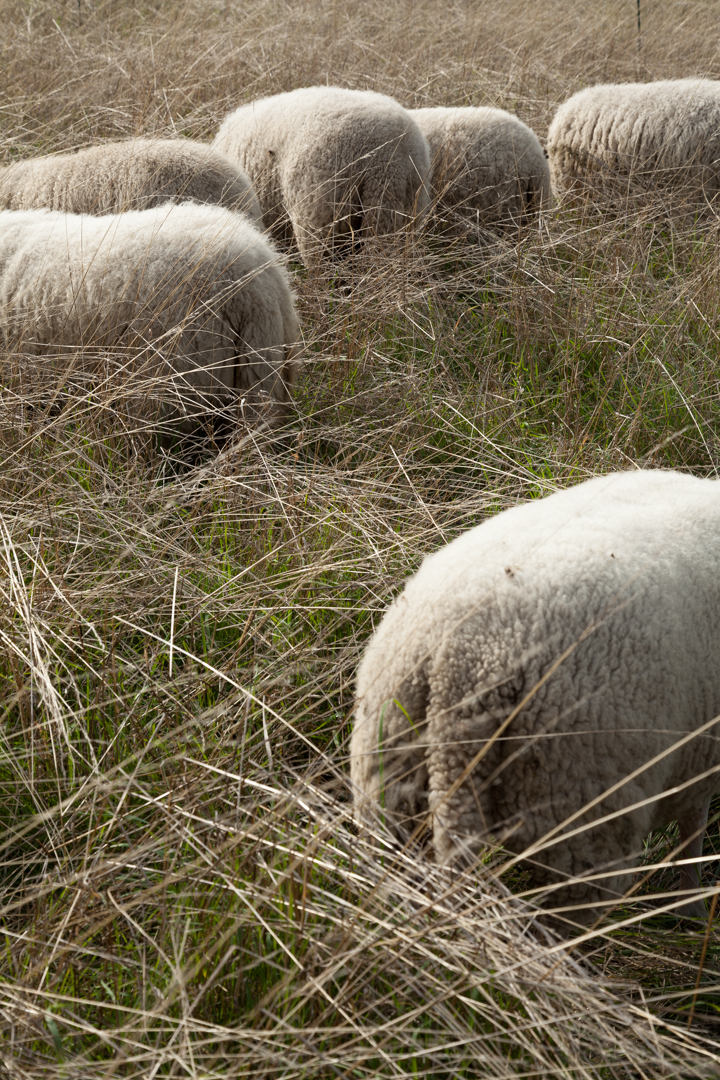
198	294
330	164
486	164
591	621
133	175
664	134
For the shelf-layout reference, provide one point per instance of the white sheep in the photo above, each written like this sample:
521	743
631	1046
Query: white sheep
487	166
651	134
196	297
553	667
133	175
330	165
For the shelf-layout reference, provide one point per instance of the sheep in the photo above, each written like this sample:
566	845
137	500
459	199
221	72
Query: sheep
660	134
133	175
549	681
330	165
195	293
487	165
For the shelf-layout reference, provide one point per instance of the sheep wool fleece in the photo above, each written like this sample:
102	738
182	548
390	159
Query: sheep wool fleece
563	647
661	133
133	175
196	290
330	163
487	164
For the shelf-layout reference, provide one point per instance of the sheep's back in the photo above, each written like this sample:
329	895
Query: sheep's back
663	134
137	174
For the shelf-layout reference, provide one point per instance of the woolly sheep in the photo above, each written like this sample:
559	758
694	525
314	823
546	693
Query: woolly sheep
557	652
133	175
330	163
660	133
487	164
195	290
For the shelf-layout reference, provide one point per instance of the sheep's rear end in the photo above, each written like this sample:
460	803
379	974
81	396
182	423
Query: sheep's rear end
548	682
195	299
332	167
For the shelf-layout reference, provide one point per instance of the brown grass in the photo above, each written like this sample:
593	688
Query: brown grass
182	891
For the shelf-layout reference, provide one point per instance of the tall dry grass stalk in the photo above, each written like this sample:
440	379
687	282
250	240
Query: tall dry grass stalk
182	890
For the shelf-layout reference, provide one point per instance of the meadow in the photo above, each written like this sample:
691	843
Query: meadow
182	890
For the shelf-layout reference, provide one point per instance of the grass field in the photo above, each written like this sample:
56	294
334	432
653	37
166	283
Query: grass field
182	891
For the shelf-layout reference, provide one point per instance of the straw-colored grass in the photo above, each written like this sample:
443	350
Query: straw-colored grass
182	890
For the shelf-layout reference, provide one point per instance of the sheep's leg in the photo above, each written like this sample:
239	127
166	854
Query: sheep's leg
387	767
692	830
310	240
460	819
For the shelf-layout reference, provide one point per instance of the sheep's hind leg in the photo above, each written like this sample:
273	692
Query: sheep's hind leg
692	830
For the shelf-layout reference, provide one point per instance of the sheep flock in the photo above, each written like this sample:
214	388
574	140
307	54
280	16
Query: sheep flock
544	682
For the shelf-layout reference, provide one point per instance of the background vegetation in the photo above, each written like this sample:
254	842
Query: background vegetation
182	892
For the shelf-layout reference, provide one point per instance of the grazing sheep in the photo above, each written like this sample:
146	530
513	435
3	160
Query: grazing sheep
548	670
487	165
195	293
133	175
332	164
649	134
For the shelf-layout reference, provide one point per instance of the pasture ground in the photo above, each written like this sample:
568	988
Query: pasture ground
182	893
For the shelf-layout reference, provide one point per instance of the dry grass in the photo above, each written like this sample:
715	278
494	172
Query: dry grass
182	892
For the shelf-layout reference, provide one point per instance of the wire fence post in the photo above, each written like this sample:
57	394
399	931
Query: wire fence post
638	13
